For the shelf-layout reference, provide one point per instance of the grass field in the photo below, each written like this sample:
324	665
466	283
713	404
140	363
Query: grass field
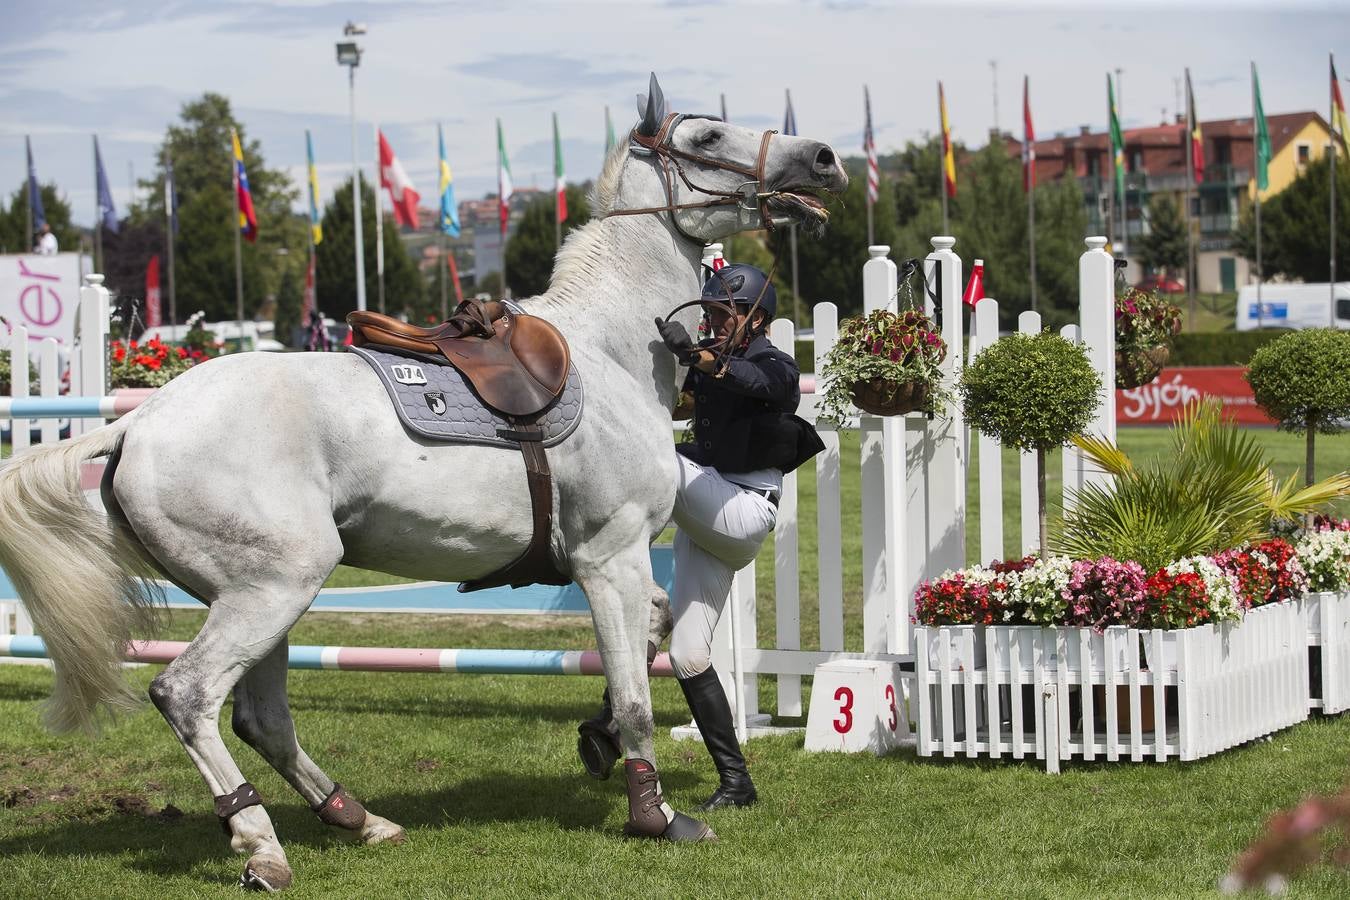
481	771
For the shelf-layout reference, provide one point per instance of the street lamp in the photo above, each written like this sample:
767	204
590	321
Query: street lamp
349	55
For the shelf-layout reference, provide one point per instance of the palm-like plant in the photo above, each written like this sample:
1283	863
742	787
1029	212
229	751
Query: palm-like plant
1214	490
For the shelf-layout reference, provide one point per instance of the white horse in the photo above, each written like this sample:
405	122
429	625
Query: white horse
248	479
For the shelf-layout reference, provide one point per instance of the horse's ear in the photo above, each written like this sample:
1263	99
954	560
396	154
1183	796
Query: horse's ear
652	109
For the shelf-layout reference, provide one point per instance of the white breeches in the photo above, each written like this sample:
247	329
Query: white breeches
719	529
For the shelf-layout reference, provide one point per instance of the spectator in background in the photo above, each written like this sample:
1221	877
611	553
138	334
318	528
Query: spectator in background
46	242
316	335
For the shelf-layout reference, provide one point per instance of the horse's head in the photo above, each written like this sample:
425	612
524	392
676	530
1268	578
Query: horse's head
717	179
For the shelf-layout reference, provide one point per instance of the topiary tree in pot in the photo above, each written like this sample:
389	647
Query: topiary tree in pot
1032	392
1302	381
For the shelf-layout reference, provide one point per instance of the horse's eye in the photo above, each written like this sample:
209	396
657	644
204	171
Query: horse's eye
708	139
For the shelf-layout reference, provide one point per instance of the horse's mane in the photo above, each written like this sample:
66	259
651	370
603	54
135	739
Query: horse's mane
607	187
582	247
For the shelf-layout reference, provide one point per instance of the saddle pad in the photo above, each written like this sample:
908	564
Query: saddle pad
435	401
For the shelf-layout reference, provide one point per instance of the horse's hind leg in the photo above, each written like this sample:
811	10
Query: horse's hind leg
262	718
242	628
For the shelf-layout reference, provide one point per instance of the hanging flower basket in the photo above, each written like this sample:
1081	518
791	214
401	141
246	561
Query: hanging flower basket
882	397
1136	368
1145	326
886	364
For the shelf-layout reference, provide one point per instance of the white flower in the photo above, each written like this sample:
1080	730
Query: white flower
1220	588
1042	589
1325	556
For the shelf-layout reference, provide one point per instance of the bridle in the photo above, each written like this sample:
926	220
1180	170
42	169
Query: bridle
750	196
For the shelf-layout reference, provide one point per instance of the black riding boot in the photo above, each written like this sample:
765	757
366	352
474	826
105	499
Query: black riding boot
712	715
598	741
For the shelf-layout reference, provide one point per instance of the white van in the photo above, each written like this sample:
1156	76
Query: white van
1293	306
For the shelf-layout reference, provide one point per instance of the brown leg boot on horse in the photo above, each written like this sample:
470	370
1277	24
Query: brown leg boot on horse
598	741
712	715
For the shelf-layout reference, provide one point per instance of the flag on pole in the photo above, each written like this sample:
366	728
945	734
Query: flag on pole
107	214
1339	126
34	191
789	117
454	278
401	194
248	219
152	304
1117	139
1263	153
504	189
449	209
609	132
1196	138
1028	139
559	180
170	196
315	223
974	292
948	154
870	148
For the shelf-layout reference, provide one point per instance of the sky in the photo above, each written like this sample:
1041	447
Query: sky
122	70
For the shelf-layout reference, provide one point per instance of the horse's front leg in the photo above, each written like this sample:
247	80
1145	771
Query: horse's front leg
621	591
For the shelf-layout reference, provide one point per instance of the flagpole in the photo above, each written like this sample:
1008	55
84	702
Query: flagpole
98	219
1256	155
168	232
358	239
1031	237
238	254
1190	188
28	210
379	220
1332	170
1030	175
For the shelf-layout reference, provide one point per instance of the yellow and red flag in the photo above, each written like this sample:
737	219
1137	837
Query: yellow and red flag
248	219
1197	140
948	155
1338	122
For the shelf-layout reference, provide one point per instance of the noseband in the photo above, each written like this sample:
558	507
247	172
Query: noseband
751	196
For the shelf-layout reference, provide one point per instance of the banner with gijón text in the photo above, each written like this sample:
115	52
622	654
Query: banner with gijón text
1162	401
41	293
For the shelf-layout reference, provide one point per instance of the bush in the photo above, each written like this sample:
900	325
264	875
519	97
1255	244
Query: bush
1220	348
5	374
1302	381
149	365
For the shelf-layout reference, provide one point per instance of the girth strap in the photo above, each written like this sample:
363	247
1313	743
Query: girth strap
536	565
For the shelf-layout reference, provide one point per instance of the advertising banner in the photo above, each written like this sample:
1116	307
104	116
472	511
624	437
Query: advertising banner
41	293
1162	401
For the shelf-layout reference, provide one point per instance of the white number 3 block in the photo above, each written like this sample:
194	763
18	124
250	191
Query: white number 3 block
856	705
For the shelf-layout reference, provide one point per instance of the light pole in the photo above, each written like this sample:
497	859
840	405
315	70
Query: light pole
349	55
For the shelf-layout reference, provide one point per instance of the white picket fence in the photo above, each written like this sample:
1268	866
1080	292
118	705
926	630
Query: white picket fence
1125	693
1327	618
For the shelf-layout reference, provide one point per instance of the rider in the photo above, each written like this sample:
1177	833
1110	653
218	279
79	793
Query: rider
745	436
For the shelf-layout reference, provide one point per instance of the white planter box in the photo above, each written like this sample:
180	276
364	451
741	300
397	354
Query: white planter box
1326	617
1211	688
956	647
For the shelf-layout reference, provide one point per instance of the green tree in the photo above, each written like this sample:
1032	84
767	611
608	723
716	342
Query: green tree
335	267
531	249
1165	246
1295	226
199	147
57	210
126	255
290	297
490	283
1302	381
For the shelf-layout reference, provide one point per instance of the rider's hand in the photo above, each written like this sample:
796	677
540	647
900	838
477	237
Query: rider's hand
677	340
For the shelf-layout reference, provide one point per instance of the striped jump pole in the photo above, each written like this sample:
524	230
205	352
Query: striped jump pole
378	659
112	407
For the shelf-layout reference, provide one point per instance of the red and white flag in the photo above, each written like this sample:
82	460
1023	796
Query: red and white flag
975	286
152	316
1028	139
870	148
401	192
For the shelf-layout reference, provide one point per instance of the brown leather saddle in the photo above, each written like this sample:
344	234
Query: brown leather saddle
516	363
518	366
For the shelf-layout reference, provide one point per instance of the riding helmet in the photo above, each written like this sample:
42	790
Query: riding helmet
744	284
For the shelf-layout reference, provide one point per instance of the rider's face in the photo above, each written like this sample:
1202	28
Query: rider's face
722	322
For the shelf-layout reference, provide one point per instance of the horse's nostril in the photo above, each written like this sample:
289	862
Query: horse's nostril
825	158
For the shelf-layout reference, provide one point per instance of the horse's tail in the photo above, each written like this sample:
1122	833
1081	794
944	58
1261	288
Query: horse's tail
77	572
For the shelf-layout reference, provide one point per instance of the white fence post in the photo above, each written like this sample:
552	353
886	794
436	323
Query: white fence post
829	508
49	385
1029	322
19	437
990	451
787	595
1097	312
935	477
91	350
883	490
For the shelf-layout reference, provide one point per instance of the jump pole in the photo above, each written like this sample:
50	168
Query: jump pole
378	659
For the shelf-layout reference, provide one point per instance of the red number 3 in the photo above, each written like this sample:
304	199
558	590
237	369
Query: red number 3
890	698
844	723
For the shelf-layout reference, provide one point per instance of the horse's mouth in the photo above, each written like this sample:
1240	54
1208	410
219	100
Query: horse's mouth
805	208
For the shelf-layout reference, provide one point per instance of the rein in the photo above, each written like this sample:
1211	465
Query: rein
723	348
751	195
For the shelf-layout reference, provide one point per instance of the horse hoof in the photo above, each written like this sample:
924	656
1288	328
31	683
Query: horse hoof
266	873
378	830
682	830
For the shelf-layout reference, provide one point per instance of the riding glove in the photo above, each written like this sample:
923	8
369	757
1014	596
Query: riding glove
677	341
